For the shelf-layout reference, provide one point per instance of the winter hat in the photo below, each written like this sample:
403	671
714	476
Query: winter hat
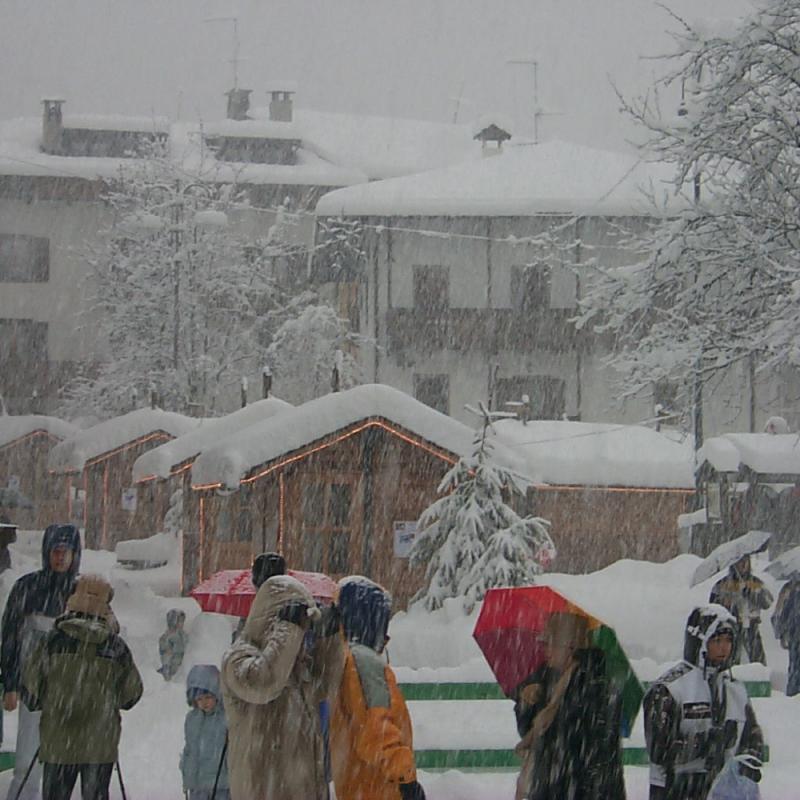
62	535
704	623
266	566
202	679
92	596
365	608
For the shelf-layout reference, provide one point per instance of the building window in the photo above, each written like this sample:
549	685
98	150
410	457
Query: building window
546	394
24	259
434	391
530	287
432	290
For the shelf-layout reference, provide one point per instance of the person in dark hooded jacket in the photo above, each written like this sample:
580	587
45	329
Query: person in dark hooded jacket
35	601
205	735
696	715
172	644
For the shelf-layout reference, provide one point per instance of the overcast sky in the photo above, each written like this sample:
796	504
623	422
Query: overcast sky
407	58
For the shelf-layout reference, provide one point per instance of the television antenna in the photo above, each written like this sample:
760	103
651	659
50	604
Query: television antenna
538	111
235	60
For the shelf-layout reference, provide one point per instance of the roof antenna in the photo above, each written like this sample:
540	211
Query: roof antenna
234	61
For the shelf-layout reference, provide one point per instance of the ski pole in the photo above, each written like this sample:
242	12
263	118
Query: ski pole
121	784
27	774
219	768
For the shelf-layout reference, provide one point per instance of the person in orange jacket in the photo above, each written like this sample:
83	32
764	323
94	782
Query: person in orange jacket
372	753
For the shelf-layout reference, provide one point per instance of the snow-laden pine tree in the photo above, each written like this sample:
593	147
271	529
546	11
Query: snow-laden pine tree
716	284
471	539
181	302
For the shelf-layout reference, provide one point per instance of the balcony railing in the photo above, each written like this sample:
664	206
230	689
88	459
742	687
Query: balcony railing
483	330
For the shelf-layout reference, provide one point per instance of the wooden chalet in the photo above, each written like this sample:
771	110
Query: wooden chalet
609	491
99	460
336	485
25	445
748	481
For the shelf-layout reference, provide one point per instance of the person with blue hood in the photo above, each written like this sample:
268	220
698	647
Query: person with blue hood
34	603
203	765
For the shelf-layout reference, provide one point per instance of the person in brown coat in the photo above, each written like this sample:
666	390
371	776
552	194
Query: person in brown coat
273	680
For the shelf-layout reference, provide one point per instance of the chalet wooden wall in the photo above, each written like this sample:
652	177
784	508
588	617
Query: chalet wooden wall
592	528
26	458
107	522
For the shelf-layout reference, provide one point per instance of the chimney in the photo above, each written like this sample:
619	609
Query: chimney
280	104
52	126
238	103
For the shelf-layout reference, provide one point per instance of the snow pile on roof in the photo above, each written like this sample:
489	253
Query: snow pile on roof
554	177
596	454
116	122
72	454
13	428
160	461
252	128
231	461
766	453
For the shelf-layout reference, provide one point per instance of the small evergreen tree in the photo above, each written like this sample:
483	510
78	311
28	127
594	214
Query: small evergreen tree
471	538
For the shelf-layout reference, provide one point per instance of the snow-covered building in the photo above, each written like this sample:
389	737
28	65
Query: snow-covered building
609	491
336	484
98	463
748	481
54	172
469	275
25	445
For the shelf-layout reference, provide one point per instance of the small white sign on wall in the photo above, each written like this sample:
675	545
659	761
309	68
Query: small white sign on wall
129	499
405	534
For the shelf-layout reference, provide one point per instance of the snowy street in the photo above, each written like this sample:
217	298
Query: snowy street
646	603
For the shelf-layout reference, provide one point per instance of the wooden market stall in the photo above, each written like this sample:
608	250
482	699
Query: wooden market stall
336	485
100	461
25	444
609	491
748	481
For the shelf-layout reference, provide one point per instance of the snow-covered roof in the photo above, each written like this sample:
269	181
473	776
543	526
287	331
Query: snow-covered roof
161	460
336	150
599	454
13	427
766	453
553	177
230	461
72	454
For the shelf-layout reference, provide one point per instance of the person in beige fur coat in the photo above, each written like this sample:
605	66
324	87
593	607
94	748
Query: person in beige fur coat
273	680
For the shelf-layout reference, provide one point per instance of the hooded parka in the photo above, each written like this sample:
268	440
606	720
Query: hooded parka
204	732
697	715
371	739
273	680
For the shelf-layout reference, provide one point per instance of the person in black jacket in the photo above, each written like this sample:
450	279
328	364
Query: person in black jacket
35	600
569	721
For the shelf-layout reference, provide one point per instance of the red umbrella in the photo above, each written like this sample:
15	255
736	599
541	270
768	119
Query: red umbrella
510	631
231	591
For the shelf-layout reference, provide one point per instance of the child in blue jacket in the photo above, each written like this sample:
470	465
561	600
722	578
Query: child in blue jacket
205	732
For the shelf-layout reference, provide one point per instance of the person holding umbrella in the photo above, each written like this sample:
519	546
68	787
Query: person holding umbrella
568	720
745	596
697	716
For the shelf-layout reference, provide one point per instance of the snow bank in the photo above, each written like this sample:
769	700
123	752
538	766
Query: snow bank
229	462
73	453
155	551
595	454
553	177
12	427
160	461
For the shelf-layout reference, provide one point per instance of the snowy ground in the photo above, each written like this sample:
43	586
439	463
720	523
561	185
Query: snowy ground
646	603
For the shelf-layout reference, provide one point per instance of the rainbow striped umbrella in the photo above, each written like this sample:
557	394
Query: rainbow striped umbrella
510	630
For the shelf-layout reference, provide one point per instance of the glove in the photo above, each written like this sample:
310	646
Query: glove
295	612
329	621
412	791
